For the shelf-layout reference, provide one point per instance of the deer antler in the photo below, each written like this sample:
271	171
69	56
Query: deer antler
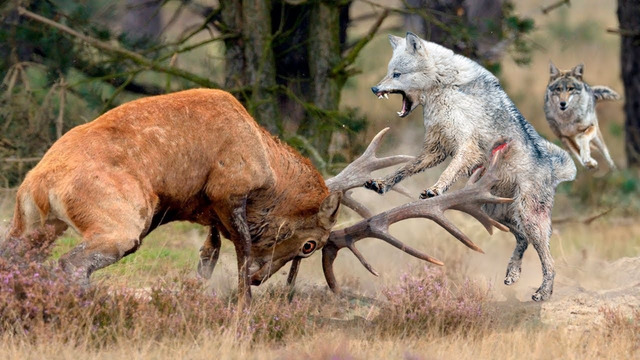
359	171
468	199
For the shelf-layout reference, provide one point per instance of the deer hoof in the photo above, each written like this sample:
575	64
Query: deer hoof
429	193
375	186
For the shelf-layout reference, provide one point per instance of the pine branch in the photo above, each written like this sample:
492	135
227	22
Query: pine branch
351	57
135	57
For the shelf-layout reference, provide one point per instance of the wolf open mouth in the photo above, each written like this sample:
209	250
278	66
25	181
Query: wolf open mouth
407	104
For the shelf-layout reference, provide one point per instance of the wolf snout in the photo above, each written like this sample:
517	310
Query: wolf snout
375	90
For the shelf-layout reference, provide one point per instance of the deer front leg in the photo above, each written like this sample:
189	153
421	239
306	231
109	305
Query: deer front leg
209	253
430	157
241	238
462	163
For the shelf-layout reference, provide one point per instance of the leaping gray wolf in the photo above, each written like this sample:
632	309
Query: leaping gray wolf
570	108
465	112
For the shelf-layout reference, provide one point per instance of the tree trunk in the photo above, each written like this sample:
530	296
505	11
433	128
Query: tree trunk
260	64
629	18
234	74
141	19
324	55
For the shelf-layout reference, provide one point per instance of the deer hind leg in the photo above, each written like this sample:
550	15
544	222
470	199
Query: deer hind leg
106	240
97	252
209	253
112	224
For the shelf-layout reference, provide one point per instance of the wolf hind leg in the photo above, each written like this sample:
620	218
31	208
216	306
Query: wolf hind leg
209	253
535	225
515	263
598	141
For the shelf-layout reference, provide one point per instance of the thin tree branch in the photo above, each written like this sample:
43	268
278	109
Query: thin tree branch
350	58
550	8
624	32
135	57
586	221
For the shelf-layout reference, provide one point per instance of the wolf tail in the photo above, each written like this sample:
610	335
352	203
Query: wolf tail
564	168
604	93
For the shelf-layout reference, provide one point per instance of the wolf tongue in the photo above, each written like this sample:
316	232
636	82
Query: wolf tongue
404	107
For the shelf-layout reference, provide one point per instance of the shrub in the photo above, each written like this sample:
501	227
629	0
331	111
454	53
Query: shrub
425	301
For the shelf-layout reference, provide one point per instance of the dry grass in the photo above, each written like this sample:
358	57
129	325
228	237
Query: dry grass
153	308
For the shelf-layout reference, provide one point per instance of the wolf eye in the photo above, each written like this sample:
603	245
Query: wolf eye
309	247
571	88
396	75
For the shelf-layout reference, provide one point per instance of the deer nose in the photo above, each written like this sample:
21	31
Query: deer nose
375	89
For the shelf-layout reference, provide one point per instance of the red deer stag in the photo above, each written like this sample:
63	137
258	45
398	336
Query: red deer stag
197	155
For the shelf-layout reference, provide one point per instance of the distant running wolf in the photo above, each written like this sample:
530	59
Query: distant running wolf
465	112
570	107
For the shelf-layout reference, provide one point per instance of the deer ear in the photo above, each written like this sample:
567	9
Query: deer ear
414	43
328	212
553	71
394	40
578	71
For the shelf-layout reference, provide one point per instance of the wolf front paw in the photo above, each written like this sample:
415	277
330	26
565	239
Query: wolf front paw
429	193
376	185
591	164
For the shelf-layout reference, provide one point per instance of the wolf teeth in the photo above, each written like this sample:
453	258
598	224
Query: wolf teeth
386	96
399	113
380	96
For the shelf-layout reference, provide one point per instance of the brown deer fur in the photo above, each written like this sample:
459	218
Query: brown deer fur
195	155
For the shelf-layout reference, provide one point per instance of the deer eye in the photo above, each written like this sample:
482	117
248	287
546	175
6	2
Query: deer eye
309	247
396	75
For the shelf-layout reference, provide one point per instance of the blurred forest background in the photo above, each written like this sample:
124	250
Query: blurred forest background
302	67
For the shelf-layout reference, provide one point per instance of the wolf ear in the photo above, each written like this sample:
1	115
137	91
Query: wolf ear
394	40
553	71
578	71
414	43
328	212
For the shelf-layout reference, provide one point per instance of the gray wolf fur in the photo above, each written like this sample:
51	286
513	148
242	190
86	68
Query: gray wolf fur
570	108
466	112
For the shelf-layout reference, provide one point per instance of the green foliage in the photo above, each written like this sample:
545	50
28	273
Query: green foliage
616	189
55	79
